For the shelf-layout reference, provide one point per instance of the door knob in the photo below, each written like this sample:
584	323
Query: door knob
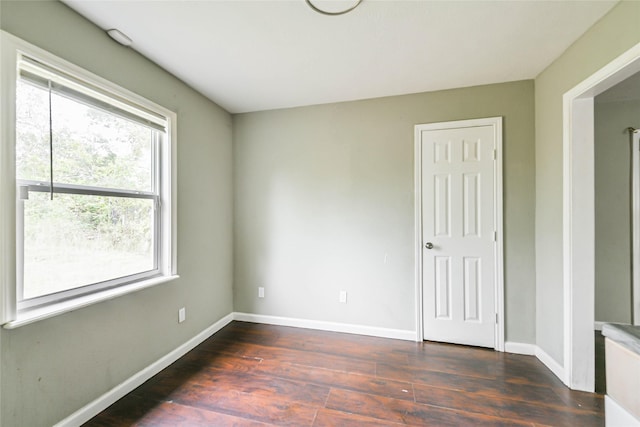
428	245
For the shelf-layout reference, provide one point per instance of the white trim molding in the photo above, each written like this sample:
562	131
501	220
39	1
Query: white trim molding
8	57
578	217
41	313
496	122
373	331
417	165
520	348
90	410
635	228
540	354
557	369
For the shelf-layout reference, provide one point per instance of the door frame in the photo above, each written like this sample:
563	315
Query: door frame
579	217
496	122
635	227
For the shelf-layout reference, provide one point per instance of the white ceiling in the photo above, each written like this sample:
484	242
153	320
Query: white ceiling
266	54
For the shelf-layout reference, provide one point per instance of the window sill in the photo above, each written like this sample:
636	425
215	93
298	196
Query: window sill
28	316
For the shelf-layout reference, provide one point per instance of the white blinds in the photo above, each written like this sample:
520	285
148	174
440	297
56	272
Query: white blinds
49	78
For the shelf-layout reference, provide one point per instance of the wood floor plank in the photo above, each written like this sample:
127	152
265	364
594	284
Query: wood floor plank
349	345
264	385
429	349
425	415
331	418
470	367
506	408
491	390
251	333
581	400
366	348
344	380
136	411
378	407
415	375
198	359
526	370
251	375
267	409
172	386
462	383
308	358
411	413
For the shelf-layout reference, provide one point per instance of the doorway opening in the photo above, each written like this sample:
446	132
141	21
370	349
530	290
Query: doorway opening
579	217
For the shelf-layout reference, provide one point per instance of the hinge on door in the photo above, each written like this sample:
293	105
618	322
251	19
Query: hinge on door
495	236
495	154
496	318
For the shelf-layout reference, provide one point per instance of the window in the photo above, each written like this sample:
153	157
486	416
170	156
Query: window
93	174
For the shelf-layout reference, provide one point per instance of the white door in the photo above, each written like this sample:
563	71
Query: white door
459	234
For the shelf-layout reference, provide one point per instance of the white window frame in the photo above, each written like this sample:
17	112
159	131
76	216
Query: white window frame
12	313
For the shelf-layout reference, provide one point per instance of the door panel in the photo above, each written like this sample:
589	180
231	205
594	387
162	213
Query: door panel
471	193
442	205
443	287
472	289
458	220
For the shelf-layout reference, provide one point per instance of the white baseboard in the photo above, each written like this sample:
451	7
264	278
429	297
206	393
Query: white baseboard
373	331
540	354
90	410
550	363
520	348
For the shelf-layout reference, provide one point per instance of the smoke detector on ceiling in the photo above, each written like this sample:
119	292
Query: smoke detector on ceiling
120	37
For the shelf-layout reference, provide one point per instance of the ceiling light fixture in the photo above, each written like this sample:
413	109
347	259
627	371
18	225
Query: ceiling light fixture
313	4
120	37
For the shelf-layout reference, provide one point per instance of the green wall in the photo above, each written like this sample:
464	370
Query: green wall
324	201
608	38
54	367
612	209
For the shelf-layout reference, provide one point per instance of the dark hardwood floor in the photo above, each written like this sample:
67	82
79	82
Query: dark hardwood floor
254	375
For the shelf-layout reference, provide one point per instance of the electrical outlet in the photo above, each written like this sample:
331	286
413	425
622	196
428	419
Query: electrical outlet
343	297
260	292
182	315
